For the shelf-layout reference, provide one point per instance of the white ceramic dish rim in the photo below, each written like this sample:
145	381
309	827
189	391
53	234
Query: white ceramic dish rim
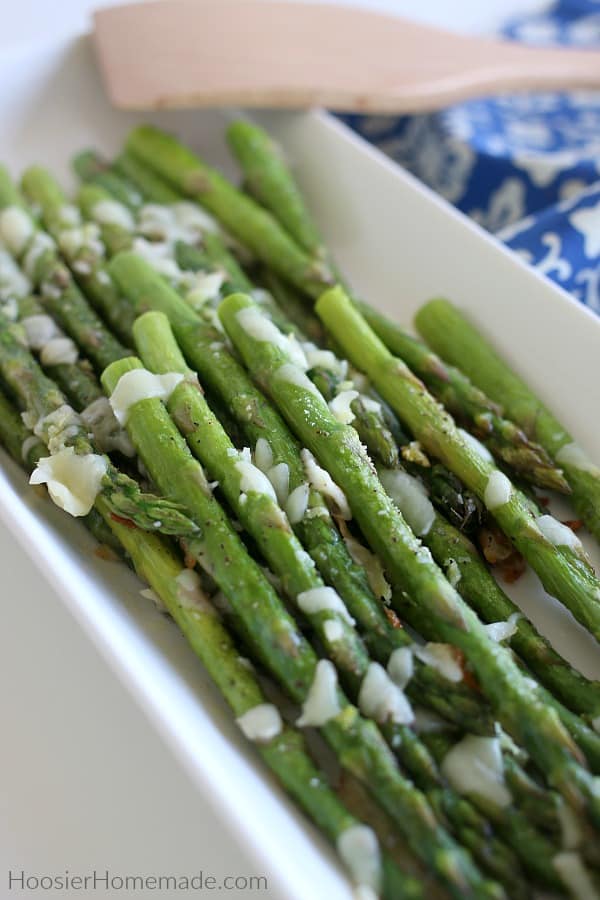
143	668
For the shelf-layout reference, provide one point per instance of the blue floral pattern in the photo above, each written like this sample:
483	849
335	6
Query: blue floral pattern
525	166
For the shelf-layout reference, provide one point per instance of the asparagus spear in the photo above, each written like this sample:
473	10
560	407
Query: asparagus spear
62	431
213	254
454	552
561	566
52	206
26	450
240	215
418	580
485	595
153	188
283	752
271	181
478	584
267	176
116	234
81	247
319	536
59	353
58	293
279	645
505	440
76	379
455	338
293	303
90	167
223	375
284	554
243	218
24	447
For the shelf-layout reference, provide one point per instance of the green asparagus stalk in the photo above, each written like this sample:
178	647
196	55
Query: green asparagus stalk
267	177
224	377
153	188
90	167
505	440
76	379
455	338
455	553
213	254
512	826
241	216
26	450
80	246
271	181
293	303
279	645
59	294
284	752
17	302
24	447
61	430
372	426
561	566
418	580
262	518
571	679
483	593
116	234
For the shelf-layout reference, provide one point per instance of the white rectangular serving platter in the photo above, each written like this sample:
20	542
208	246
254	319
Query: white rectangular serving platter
399	245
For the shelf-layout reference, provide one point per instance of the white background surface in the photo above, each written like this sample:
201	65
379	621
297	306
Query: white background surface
84	780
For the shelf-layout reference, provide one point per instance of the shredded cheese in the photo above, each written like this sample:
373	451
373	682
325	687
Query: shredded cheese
322	481
574	456
400	666
16	228
382	700
292	374
558	534
261	723
263	455
108	434
498	490
279	476
111	212
474	766
140	384
59	351
503	631
253	480
358	848
440	657
340	406
410	497
322	702
323	599
256	324
297	503
73	481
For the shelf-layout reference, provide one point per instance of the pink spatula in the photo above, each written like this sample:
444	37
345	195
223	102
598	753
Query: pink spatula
277	54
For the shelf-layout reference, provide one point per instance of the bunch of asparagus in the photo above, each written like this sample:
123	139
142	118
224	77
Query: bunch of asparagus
291	491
